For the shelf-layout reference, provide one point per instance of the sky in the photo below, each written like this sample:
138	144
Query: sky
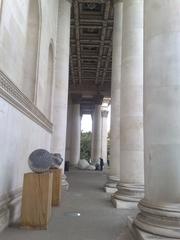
86	123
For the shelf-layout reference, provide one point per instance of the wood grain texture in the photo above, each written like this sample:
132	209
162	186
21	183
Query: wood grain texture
56	193
36	200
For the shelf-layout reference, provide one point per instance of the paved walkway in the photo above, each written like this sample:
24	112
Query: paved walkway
98	219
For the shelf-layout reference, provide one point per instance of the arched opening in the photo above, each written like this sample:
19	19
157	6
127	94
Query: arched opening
31	50
49	84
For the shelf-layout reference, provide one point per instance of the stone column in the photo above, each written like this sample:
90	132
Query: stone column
75	135
61	85
104	135
160	209
96	134
114	170
130	187
68	132
92	137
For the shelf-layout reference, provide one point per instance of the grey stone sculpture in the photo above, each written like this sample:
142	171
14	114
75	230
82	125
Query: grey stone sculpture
40	161
56	160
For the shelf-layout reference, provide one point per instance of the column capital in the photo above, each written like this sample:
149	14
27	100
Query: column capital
98	99
104	113
117	1
70	1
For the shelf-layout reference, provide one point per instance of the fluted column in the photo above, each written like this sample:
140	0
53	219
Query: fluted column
75	135
114	170
104	134
160	209
92	137
96	134
68	132
130	187
61	85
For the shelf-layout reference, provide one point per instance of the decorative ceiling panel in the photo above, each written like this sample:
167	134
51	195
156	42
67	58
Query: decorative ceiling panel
91	46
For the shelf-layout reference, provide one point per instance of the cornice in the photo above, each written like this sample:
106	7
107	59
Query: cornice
116	1
10	93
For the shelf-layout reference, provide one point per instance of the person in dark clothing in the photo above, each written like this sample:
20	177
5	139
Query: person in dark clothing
101	164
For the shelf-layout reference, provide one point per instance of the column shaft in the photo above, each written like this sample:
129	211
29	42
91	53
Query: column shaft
130	187
96	134
92	137
114	170
104	135
75	135
160	209
62	78
68	132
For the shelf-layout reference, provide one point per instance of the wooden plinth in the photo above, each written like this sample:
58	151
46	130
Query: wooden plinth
56	193
36	200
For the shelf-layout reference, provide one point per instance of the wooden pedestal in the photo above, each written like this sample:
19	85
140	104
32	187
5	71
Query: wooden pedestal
56	193
36	200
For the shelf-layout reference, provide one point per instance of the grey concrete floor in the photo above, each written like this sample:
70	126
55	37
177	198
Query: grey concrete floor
98	219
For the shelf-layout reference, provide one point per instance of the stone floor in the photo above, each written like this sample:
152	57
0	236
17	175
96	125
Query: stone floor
98	219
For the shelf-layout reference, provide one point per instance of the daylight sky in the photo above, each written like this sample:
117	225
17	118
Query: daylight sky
86	123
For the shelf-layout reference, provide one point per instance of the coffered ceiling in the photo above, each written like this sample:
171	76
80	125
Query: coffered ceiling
91	48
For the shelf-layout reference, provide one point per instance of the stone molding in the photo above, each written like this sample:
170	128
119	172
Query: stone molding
10	208
117	1
10	93
129	192
104	113
162	219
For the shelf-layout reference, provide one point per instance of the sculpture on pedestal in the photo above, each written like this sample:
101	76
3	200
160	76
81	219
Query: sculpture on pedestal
56	160
41	160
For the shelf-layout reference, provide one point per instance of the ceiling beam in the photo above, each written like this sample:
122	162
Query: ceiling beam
103	35
76	17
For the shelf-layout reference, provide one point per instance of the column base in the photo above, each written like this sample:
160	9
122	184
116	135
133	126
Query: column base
110	188
64	183
138	234
160	219
127	196
111	185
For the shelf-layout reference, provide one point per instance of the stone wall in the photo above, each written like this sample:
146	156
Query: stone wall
23	124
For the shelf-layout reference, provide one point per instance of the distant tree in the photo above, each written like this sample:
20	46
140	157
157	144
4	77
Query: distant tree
86	145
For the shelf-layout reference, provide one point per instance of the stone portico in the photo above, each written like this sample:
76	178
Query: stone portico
62	59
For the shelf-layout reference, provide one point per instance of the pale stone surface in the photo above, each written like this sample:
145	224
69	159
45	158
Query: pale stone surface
104	133
160	209
115	92
96	134
19	137
83	164
19	134
111	184
13	30
110	189
68	132
117	203
138	234
75	135
131	109
92	138
62	79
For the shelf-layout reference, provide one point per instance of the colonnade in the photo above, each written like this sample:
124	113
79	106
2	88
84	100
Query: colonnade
149	116
99	133
61	83
145	130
